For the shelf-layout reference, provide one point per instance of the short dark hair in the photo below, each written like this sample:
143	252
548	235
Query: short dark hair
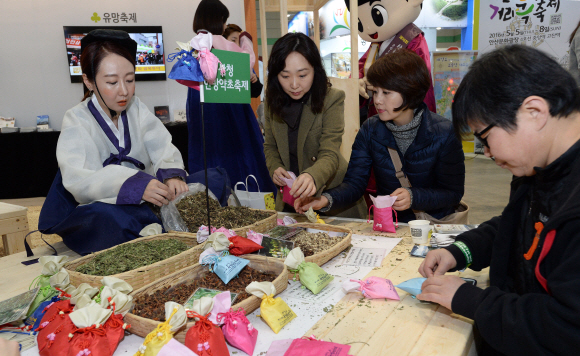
402	71
211	15
276	98
499	81
96	52
230	29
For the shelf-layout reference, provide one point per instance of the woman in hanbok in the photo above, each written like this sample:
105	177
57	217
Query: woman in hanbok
113	154
232	135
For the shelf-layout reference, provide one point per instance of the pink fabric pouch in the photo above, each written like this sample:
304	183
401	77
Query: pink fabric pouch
372	288
285	190
383	216
313	347
255	236
279	347
175	348
238	330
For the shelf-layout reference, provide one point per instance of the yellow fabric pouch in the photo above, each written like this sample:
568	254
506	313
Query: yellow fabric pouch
175	318
275	312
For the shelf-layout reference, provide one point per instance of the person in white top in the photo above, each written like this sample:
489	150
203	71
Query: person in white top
113	154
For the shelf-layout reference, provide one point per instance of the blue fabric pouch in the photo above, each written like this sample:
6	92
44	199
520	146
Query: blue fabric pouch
35	318
412	286
225	265
187	70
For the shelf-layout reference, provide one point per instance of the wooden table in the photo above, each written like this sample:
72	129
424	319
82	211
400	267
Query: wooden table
371	327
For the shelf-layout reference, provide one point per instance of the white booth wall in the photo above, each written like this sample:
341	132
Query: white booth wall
34	74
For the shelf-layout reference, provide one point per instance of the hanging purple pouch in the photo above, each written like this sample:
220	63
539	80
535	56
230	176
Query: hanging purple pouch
238	330
313	347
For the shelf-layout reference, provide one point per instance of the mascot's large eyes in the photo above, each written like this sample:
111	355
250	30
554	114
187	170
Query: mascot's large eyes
379	15
360	28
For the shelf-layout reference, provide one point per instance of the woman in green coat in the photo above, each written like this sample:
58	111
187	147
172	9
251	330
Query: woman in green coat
304	123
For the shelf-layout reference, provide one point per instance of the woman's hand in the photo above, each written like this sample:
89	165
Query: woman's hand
403	201
280	173
176	186
9	347
253	77
301	205
303	186
157	193
440	289
437	262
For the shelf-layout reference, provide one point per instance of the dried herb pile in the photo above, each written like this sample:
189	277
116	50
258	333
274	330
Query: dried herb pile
128	257
153	306
313	243
193	211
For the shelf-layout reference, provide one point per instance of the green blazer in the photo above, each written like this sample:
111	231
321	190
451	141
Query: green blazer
319	140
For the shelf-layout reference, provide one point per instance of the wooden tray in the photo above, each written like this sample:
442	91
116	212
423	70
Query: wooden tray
143	326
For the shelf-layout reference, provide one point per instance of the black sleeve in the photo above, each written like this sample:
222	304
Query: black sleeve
532	323
479	241
357	175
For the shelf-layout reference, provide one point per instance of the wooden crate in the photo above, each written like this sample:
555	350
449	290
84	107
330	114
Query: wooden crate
13	227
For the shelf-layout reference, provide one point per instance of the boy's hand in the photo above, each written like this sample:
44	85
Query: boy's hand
437	262
440	289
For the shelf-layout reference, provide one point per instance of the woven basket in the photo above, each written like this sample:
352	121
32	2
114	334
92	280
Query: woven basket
325	256
141	276
141	326
259	226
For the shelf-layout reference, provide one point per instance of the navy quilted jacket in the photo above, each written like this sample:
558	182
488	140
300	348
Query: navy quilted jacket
434	164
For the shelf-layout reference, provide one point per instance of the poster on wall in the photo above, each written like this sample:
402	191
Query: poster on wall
443	13
449	68
334	19
542	24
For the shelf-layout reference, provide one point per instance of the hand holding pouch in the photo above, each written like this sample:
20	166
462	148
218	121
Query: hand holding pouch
175	318
311	275
286	196
238	331
372	288
383	216
275	312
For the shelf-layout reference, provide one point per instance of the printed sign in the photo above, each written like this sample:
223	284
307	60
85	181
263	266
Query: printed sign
366	257
234	86
542	24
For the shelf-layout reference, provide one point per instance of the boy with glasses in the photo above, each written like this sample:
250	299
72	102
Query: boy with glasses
525	108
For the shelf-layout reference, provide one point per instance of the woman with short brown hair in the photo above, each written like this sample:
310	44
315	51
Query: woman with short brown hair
431	155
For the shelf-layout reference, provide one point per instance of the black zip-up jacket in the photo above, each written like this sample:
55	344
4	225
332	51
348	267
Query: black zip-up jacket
532	306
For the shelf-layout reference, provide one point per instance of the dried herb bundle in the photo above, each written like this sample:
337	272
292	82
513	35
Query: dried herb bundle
193	211
313	243
153	306
128	257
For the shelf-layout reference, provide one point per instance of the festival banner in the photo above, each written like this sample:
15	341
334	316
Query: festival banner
234	86
542	24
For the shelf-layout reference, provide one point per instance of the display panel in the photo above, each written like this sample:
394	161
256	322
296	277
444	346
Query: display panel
149	61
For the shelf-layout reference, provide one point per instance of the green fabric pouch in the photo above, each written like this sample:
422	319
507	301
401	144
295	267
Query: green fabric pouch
311	275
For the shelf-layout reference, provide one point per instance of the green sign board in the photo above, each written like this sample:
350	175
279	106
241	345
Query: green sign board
234	86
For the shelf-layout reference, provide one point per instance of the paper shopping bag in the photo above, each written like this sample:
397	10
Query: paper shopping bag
254	200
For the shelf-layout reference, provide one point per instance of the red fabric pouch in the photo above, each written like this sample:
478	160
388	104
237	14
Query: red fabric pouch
53	340
313	347
115	329
91	341
205	338
238	331
242	246
383	219
53	324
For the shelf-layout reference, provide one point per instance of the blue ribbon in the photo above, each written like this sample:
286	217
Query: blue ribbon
118	158
212	260
172	56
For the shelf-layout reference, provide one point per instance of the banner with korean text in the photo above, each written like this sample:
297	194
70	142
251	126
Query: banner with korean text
543	24
234	86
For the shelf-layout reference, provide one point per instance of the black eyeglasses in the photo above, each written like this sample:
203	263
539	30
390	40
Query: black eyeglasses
482	132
